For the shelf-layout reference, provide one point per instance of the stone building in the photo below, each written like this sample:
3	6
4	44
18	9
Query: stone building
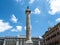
52	36
19	40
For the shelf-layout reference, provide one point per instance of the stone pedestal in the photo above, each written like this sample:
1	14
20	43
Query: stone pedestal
29	42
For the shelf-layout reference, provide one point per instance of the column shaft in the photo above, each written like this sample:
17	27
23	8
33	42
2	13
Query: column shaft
21	42
4	42
28	27
17	42
39	42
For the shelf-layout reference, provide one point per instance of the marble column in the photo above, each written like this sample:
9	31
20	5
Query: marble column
39	42
17	42
24	42
4	42
20	41
28	33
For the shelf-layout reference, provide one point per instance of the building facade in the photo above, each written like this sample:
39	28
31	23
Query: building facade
19	40
52	36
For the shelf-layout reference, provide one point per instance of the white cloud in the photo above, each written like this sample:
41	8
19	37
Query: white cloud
13	18
40	37
36	11
54	6
50	23
31	1
25	27
18	35
58	20
18	0
18	28
4	26
37	21
14	30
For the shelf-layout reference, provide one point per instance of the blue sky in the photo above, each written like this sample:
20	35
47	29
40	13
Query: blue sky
44	14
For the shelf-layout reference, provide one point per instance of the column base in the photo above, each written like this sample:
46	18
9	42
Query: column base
29	42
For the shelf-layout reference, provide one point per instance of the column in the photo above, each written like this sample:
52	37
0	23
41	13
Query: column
17	42
24	42
21	42
28	33
4	42
39	42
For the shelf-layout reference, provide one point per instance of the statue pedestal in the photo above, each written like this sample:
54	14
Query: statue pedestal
29	42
